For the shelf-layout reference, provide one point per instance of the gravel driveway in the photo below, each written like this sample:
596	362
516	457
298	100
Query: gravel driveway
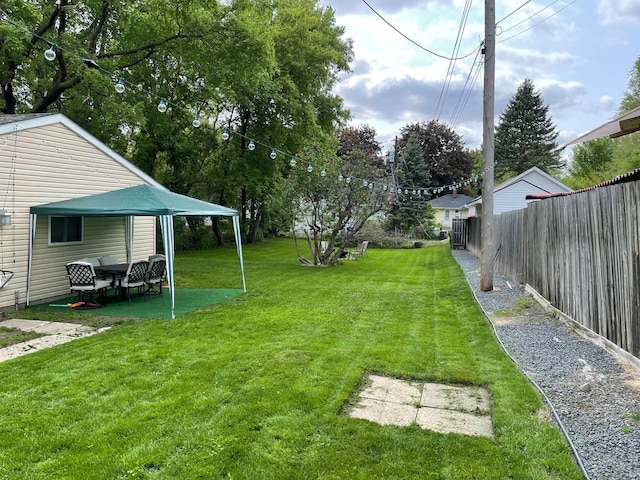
596	397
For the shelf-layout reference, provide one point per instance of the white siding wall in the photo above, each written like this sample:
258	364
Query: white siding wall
48	164
513	197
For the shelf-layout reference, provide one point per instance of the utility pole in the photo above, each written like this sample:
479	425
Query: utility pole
486	253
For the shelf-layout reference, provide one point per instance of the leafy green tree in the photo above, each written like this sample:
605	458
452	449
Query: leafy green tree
291	107
332	197
631	98
443	152
526	136
590	162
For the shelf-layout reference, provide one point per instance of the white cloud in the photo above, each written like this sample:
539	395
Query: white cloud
619	11
573	58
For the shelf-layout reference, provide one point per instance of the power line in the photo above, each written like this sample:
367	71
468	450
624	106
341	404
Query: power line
536	24
504	18
456	47
413	41
467	89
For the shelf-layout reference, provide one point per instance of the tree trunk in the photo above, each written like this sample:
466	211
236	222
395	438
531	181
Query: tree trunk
215	227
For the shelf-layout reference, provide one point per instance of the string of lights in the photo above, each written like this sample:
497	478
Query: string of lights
121	84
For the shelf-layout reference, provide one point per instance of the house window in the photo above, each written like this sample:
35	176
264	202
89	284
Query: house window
447	215
65	230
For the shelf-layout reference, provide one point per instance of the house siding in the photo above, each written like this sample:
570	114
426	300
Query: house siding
511	194
47	164
513	197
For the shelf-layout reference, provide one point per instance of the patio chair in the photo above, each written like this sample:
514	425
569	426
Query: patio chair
359	251
136	277
82	279
108	260
155	276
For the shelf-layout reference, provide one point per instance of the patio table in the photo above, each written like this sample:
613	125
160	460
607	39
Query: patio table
117	271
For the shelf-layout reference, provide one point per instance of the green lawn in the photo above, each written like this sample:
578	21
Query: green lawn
256	387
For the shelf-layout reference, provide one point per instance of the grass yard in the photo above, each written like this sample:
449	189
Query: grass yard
256	387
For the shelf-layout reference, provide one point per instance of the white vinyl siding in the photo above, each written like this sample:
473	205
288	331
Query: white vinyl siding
48	164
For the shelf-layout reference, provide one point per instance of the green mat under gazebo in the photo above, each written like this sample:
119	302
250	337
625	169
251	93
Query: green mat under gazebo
187	300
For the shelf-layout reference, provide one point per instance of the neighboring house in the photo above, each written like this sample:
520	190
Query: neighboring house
511	195
448	207
47	158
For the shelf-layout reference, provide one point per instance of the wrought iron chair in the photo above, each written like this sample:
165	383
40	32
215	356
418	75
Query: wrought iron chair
82	279
136	277
155	276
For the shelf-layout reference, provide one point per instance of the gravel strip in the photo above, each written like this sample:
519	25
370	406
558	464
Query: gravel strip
596	397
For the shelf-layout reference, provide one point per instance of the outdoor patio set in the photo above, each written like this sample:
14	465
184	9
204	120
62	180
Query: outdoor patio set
91	277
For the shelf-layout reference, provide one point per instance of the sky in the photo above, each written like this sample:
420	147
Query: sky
579	59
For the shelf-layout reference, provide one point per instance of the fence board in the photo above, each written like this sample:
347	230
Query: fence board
581	252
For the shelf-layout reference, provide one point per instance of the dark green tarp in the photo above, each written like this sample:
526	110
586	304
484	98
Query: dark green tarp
140	200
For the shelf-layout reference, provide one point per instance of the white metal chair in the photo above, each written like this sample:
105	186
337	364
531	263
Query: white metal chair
155	276
82	279
135	277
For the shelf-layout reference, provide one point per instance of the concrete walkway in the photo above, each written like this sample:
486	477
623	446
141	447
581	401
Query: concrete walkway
55	333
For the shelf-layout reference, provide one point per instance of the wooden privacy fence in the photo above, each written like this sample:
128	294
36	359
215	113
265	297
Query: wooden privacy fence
582	253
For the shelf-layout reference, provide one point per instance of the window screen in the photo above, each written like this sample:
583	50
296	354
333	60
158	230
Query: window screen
65	229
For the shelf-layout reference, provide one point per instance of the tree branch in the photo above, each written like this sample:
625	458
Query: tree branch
96	27
147	47
54	94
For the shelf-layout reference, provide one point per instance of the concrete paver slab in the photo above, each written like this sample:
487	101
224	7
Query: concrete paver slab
46	327
55	333
26	325
451	421
437	407
384	413
392	390
462	398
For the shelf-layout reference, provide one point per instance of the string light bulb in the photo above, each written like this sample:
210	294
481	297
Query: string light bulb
120	85
340	177
50	54
273	154
162	106
196	121
348	180
309	168
252	145
323	173
293	161
225	134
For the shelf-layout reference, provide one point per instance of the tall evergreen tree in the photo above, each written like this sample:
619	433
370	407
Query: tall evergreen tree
412	173
526	136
